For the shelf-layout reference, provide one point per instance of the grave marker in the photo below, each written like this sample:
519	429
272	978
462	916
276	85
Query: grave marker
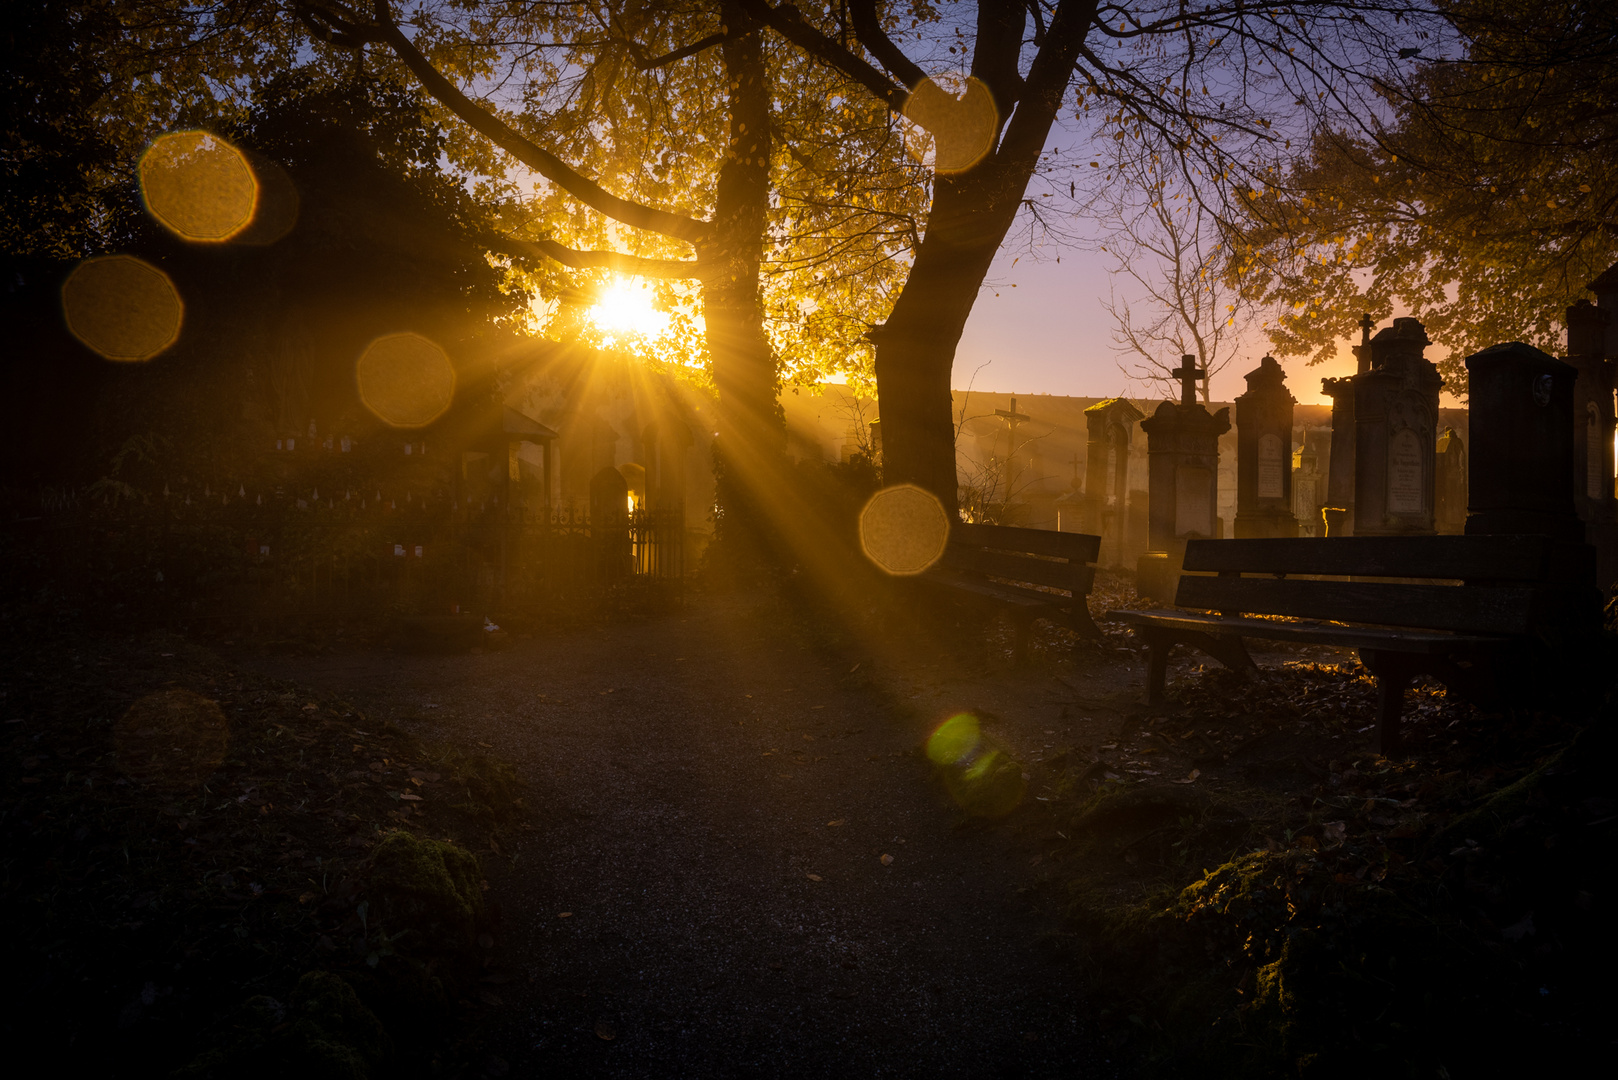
1395	412
1183	449
1264	454
1521	476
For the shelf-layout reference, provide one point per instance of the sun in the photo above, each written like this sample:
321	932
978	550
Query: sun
626	309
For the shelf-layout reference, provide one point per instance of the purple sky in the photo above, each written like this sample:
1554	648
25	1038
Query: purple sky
1051	335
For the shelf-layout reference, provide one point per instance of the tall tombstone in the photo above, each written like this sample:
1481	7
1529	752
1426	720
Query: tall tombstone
1108	427
1449	484
1182	445
1606	289
1395	436
1308	483
1338	508
1521	476
1264	454
1590	349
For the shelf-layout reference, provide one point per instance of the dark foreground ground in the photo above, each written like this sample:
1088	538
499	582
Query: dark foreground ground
710	842
737	862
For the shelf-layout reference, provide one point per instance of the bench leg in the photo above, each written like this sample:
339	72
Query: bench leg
1025	636
1157	666
1393	674
1081	622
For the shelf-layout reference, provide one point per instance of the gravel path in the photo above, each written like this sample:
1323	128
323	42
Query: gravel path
711	799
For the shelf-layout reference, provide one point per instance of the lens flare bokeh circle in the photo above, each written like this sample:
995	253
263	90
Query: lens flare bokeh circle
979	774
903	529
122	307
174	738
958	117
198	186
405	379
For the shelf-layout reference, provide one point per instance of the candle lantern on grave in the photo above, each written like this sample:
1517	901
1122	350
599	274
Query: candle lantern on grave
1182	446
1264	454
1395	436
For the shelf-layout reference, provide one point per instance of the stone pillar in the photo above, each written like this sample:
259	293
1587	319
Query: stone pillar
1521	475
1395	440
1264	455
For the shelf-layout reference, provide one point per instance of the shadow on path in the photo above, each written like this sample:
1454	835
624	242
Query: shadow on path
709	800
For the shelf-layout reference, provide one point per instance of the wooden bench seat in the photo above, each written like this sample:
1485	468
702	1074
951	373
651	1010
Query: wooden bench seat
1028	573
1447	606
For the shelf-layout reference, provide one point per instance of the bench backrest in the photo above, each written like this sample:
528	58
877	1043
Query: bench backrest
1057	560
1510	584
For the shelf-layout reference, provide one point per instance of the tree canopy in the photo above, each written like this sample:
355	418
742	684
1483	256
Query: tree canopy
1482	196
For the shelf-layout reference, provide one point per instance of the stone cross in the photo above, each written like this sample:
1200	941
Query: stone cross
1012	416
1364	352
1188	373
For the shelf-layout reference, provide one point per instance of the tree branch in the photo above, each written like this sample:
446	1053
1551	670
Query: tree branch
647	64
789	22
382	30
594	260
870	34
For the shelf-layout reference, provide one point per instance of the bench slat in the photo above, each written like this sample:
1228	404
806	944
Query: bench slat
1475	558
1466	608
1075	547
1349	637
998	591
1076	577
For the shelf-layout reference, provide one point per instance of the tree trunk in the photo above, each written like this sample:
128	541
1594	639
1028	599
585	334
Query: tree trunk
971	214
915	349
752	431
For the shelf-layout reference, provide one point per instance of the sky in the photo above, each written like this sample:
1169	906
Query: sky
1051	335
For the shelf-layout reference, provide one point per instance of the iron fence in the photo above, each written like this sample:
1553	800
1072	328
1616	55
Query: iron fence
222	556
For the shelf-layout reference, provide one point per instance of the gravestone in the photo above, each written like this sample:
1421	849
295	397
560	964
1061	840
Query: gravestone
1449	484
1309	482
1182	445
1588	328
1264	454
1521	475
1395	413
1338	511
1108	427
1606	289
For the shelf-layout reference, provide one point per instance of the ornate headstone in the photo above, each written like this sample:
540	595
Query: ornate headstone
1521	475
1182	442
1264	454
1395	417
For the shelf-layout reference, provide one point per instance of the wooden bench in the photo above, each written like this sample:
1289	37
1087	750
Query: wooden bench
1028	573
1475	600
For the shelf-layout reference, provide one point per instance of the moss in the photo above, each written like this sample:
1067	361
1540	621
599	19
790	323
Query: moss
427	895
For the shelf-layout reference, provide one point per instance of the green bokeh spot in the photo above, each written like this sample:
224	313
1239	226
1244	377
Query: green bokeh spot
955	739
